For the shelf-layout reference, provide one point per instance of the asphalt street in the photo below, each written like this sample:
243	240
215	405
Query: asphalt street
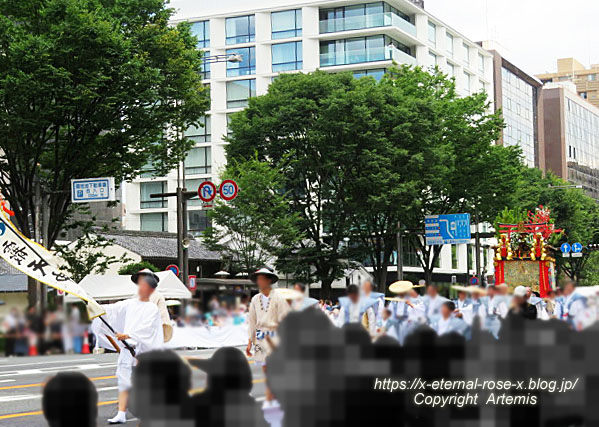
21	382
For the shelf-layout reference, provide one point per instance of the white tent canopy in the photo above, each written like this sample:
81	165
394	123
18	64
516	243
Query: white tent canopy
110	287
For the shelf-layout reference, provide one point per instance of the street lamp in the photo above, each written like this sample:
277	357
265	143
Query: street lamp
232	57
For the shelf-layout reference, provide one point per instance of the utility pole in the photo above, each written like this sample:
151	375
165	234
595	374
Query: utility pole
399	252
477	245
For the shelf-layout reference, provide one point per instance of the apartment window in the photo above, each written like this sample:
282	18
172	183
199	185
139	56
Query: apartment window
247	65
592	77
148	171
239	91
449	44
432	33
467	78
481	63
466	54
202	133
433	59
198	222
365	15
154	221
202	31
148	188
359	49
287	56
229	118
451	70
241	29
287	23
205	70
376	73
198	161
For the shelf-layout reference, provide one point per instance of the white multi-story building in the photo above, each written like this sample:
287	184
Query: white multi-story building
279	36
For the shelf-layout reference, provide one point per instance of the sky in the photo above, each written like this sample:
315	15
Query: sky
533	34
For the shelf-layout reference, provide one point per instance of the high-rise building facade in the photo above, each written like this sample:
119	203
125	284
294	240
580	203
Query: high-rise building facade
518	96
281	36
571	136
585	79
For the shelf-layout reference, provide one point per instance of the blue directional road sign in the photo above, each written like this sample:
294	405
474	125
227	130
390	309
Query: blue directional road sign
576	247
92	190
447	229
565	248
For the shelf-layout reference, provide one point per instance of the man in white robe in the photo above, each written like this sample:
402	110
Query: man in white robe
367	290
405	309
492	310
447	323
357	310
431	304
140	326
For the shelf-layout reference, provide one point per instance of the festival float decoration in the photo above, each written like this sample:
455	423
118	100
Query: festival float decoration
523	255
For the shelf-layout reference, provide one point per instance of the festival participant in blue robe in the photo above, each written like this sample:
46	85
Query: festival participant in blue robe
387	325
306	301
572	304
368	292
462	301
405	309
431	303
492	310
357	310
447	323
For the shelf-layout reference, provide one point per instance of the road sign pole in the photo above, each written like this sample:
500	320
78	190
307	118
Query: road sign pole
185	261
180	215
399	253
477	244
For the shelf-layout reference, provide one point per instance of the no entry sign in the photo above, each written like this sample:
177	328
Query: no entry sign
228	189
173	268
207	191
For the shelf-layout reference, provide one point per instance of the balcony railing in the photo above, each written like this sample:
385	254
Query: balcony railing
367	21
347	57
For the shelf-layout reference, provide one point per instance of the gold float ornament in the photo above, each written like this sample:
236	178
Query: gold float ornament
532	254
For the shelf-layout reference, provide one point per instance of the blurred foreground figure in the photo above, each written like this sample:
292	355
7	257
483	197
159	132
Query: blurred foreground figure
70	399
160	390
141	325
226	401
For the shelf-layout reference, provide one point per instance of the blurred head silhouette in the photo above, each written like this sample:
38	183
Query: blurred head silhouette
228	371
70	399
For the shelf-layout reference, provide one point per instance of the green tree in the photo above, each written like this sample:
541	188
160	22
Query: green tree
452	161
308	127
87	89
134	267
250	230
87	255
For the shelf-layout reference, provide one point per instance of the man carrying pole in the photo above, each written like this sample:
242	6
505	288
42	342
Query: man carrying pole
140	325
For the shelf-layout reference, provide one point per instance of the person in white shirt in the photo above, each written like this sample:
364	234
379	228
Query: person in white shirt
405	309
447	323
572	305
140	324
492	309
431	303
357	310
367	290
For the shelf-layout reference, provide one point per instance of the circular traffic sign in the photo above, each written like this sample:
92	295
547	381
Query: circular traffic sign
173	268
474	280
228	189
565	248
576	247
207	191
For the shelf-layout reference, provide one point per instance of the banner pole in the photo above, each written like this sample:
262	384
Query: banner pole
127	346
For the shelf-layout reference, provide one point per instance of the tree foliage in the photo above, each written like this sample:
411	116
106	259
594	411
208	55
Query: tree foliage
251	230
87	89
134	267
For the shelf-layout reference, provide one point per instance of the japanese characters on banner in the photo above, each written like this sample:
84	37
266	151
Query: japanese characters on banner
37	262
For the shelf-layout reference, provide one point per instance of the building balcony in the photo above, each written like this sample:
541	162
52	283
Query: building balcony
367	21
387	53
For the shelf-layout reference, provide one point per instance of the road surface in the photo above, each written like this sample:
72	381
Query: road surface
21	381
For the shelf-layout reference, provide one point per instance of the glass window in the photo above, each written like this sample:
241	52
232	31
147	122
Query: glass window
154	221
359	49
247	65
466	54
451	70
205	70
200	134
365	15
239	91
449	44
287	56
240	29
432	33
433	58
287	23
148	188
197	222
377	73
591	77
467	82
481	63
198	161
202	31
229	117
